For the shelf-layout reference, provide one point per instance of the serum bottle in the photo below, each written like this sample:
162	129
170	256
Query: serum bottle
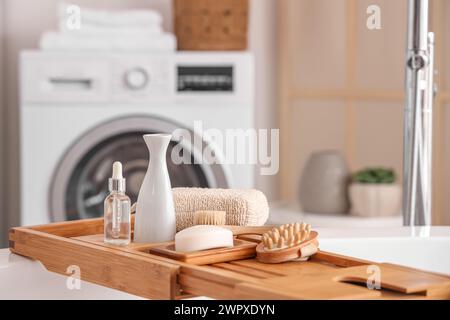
117	215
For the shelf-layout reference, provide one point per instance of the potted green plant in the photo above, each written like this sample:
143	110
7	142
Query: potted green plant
373	192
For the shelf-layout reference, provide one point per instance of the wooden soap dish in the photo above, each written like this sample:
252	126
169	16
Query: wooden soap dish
241	250
290	253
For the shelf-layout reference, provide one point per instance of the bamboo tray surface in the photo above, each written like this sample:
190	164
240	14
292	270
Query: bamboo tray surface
142	269
242	249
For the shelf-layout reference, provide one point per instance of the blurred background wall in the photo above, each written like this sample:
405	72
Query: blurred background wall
3	216
342	84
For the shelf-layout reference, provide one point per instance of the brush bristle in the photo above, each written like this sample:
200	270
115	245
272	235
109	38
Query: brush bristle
286	235
209	217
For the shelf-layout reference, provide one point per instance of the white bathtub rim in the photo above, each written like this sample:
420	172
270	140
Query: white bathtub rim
386	233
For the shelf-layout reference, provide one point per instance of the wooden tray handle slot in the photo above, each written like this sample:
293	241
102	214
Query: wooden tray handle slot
380	276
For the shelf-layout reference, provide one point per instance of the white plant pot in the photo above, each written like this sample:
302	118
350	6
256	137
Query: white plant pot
375	200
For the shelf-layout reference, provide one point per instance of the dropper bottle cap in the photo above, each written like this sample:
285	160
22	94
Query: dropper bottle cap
117	181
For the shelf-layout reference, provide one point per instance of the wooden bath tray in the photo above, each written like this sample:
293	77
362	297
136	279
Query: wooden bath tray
134	270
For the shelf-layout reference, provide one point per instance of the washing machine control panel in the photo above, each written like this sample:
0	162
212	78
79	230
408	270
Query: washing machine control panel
181	77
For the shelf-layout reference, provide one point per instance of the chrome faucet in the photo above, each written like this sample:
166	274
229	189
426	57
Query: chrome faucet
418	125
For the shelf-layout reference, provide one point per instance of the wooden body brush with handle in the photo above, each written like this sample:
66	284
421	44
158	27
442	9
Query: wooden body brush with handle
287	242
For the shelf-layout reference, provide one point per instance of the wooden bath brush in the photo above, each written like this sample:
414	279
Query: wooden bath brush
288	242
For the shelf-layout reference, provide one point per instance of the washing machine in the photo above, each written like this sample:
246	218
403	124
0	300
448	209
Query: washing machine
80	112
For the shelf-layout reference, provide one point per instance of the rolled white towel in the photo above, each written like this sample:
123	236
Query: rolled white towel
54	41
123	18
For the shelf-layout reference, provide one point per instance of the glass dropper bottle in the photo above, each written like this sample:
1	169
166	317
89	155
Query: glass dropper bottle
117	207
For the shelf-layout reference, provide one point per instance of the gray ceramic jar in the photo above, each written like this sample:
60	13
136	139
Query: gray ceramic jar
324	183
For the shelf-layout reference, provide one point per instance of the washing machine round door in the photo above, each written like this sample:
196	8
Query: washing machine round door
80	181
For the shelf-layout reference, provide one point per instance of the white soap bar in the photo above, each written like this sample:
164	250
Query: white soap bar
202	237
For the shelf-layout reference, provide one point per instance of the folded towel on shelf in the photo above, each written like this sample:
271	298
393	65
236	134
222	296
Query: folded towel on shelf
242	207
100	31
122	18
55	41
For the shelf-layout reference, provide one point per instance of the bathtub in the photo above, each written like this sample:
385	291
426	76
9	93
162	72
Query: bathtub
423	248
426	248
25	279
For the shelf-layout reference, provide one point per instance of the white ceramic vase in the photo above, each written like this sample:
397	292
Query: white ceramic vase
155	214
375	200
